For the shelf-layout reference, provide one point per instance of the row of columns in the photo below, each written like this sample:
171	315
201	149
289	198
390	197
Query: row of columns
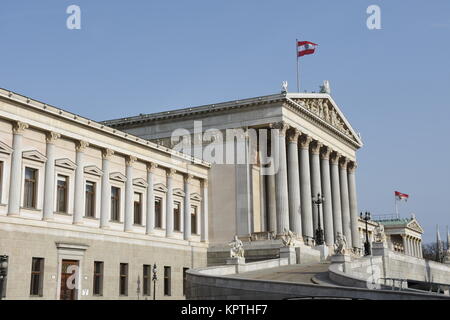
105	208
306	168
412	246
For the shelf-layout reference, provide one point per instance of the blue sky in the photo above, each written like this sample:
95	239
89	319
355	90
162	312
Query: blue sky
138	56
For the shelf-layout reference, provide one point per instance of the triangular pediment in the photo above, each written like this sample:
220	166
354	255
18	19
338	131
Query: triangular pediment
196	196
160	187
65	163
323	108
178	192
4	148
34	155
118	176
94	170
414	225
140	182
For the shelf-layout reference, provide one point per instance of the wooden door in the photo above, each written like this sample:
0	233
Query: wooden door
69	268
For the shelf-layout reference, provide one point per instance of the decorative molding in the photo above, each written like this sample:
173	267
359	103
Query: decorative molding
343	162
352	165
334	157
204	183
188	178
4	148
51	137
129	160
282	127
140	182
107	154
94	170
293	135
65	163
19	127
81	145
170	172
325	153
315	147
196	196
151	167
34	155
305	141
160	187
178	192
118	176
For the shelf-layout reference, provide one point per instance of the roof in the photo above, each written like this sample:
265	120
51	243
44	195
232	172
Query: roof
296	101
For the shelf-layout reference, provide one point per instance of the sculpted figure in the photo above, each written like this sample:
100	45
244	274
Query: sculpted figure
288	238
326	112
340	244
380	236
237	248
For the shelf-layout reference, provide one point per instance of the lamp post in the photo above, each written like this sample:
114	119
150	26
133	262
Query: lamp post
366	218
3	272
154	279
319	232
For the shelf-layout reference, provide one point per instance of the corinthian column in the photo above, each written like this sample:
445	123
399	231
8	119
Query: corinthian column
129	205
106	189
79	183
169	202
353	204
15	182
327	204
281	181
49	183
150	225
335	190
187	207
346	224
305	188
315	178
294	183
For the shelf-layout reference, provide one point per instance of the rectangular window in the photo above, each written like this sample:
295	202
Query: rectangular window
61	193
98	278
123	285
184	280
29	199
115	204
193	220
158	212
147	279
137	208
90	199
167	280
37	277
177	216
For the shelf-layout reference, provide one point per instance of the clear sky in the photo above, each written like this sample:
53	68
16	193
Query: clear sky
139	56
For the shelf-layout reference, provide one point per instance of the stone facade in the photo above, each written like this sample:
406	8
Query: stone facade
74	192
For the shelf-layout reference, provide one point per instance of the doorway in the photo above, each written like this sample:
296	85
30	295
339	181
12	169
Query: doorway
69	279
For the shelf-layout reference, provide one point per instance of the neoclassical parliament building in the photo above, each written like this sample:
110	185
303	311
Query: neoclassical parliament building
112	199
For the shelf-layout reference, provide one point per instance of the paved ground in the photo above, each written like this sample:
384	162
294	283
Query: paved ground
292	273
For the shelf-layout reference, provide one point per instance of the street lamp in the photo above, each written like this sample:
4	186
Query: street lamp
366	218
3	272
154	279
319	232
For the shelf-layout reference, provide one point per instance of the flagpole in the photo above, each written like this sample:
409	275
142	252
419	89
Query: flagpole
396	206
296	55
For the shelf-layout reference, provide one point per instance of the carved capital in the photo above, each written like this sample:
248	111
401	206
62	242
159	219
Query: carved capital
81	145
293	135
343	162
107	154
129	160
19	127
352	165
305	141
315	147
151	167
170	172
325	153
282	127
334	157
188	178
51	137
205	183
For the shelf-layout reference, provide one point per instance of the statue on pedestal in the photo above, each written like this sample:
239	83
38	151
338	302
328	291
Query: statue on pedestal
288	238
379	236
340	244
237	248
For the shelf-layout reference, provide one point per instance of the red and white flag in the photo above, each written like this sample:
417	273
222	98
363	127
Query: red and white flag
401	196
305	47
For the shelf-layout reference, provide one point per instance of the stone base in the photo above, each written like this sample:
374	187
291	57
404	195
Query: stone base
307	254
323	249
341	258
235	261
288	252
379	248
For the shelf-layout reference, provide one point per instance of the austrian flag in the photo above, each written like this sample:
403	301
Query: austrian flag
305	47
401	196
